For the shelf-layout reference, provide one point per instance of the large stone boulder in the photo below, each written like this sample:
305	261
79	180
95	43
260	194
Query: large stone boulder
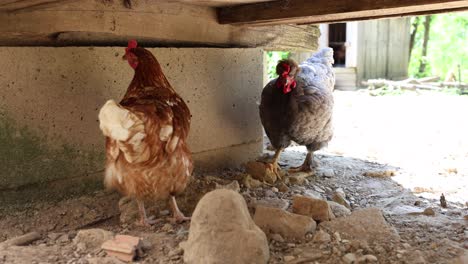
222	231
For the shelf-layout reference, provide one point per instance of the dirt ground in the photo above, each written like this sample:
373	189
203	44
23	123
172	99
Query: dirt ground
420	139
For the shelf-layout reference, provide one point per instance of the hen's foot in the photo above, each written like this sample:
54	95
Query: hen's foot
147	222
144	221
275	168
179	217
302	168
309	165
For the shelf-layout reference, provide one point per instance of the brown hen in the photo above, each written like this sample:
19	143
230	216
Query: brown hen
146	149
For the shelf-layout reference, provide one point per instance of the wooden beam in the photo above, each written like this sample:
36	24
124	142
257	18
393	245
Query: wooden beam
91	22
322	11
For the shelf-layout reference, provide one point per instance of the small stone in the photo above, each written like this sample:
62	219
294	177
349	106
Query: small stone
167	228
350	258
429	212
251	183
175	252
367	259
340	199
146	245
417	203
338	209
328	173
92	238
274	189
288	258
337	236
321	237
443	202
81	247
164	213
261	171
233	186
299	178
63	239
53	236
319	210
380	174
406	245
282	187
318	189
277	238
277	221
274	203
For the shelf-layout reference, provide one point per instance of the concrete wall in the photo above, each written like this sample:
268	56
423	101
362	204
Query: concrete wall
50	97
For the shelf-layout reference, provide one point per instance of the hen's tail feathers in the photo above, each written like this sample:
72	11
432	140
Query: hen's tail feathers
126	129
324	56
317	71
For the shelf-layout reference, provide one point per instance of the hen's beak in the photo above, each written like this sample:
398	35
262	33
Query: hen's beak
124	57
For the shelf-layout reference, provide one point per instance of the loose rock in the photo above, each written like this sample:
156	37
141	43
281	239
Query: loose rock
321	237
338	209
261	171
274	203
277	221
340	199
92	238
319	210
220	221
429	212
366	225
350	258
283	187
299	178
251	183
367	259
233	186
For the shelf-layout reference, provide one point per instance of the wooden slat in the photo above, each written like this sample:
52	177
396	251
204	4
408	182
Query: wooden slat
320	11
91	22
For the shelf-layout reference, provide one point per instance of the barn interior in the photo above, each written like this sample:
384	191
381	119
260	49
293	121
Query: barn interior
61	61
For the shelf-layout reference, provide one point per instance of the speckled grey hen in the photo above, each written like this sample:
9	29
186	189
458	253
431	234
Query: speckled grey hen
298	106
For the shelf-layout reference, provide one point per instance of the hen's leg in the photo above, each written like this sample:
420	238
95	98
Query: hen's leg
144	221
308	165
179	217
274	163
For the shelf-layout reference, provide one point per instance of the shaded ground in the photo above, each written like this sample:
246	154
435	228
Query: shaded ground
367	142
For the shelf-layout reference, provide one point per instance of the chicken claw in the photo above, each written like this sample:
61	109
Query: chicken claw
308	165
144	221
273	165
179	217
275	168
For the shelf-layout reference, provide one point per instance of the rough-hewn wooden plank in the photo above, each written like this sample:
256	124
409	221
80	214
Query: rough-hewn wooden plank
91	22
306	11
383	47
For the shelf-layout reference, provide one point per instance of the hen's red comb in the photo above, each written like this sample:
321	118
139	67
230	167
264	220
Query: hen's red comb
132	44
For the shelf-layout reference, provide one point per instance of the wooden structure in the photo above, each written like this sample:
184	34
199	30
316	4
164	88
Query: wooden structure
368	50
193	22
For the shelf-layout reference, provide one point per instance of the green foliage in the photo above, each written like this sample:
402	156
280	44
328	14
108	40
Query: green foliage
272	59
447	47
